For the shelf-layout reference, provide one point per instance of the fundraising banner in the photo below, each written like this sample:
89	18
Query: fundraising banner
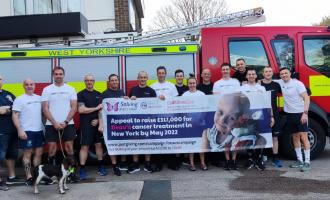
210	123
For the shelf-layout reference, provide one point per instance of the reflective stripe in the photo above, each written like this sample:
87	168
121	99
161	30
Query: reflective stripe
319	85
95	51
280	102
79	86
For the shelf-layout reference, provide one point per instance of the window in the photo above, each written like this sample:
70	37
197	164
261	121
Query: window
19	7
252	51
74	6
42	6
284	52
317	54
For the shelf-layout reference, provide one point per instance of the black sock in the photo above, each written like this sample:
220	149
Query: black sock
275	156
52	160
101	162
82	166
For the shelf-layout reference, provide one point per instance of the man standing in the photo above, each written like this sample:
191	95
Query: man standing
206	86
224	86
241	71
88	107
59	103
255	158
27	117
141	91
113	92
164	90
296	105
275	89
8	136
179	76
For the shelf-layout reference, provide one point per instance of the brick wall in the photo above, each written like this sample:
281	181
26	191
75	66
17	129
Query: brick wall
122	16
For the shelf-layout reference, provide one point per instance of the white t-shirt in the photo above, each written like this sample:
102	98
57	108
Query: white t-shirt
29	107
291	91
59	101
223	86
191	94
252	88
167	89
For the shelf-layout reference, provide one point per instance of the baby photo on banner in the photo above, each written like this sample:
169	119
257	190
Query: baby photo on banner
209	123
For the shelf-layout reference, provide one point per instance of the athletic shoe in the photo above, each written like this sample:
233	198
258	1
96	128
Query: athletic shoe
116	170
260	165
3	186
233	165
102	171
123	166
306	167
15	180
296	164
192	168
72	178
29	182
277	163
82	174
147	167
226	165
133	168
249	164
204	167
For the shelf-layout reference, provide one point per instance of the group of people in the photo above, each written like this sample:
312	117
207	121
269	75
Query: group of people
23	117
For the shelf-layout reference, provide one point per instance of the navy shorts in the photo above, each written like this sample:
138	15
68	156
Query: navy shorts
294	125
35	139
276	129
8	146
90	135
68	134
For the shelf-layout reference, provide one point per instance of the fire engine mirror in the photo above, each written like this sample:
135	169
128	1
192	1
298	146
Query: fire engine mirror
18	54
326	50
159	49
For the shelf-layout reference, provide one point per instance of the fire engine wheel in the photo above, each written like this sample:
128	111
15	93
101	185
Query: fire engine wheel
316	136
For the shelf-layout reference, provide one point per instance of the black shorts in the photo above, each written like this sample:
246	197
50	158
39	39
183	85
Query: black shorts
90	135
276	129
52	135
294	124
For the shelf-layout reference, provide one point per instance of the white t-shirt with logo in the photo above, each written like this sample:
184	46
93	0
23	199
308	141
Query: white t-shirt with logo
252	88
30	117
167	89
223	86
291	91
192	94
59	101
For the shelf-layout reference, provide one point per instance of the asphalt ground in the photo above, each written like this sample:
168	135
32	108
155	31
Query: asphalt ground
215	183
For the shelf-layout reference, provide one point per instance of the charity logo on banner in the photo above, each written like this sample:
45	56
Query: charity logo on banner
209	123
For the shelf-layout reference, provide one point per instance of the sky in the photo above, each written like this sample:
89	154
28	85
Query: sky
277	12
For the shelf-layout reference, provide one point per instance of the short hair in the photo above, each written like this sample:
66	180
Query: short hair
112	75
161	67
141	72
284	68
192	78
225	64
178	71
58	68
240	59
251	69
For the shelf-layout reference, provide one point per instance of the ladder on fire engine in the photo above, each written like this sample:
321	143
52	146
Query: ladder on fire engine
176	33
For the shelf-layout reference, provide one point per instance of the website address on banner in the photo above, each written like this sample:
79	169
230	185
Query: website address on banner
151	143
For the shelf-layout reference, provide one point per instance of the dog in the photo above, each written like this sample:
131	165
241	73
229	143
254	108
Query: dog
60	172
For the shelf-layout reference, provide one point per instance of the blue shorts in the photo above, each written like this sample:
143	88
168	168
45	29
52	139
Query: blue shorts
35	139
8	146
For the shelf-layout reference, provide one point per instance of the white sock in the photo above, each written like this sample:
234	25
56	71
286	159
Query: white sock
299	154
307	155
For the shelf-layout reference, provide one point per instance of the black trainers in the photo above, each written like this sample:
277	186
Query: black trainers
3	186
249	164
116	170
147	167
260	165
123	166
72	178
226	165
233	165
15	180
29	182
133	168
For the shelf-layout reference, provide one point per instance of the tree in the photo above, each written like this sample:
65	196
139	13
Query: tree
185	12
324	22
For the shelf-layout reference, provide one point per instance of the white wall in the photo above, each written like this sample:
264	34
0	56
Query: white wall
5	8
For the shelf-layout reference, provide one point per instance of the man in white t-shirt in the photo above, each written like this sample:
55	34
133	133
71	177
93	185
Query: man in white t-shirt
255	158
27	116
224	86
59	103
164	90
296	105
